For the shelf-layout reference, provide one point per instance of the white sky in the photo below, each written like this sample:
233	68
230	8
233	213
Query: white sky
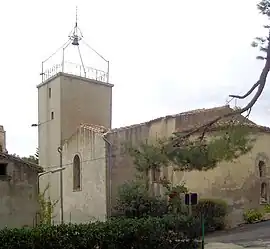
166	56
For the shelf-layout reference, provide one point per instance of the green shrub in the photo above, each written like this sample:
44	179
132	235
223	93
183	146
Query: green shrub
214	211
252	215
134	201
267	208
145	233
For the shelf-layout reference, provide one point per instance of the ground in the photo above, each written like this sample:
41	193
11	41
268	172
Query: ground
248	236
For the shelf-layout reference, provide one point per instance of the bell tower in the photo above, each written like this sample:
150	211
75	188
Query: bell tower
69	94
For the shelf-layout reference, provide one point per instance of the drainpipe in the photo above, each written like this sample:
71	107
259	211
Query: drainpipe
110	170
60	149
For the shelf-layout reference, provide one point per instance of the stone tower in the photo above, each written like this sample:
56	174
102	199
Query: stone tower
69	94
65	101
2	139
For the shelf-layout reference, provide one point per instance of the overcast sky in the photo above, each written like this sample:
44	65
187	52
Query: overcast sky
166	56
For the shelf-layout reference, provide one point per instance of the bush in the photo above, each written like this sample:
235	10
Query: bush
214	211
252	215
134	201
267	208
118	233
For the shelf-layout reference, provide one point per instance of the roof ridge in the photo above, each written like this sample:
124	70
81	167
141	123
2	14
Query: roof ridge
94	127
233	122
172	115
15	158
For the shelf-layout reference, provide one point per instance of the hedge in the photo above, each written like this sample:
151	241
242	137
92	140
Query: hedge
143	233
215	212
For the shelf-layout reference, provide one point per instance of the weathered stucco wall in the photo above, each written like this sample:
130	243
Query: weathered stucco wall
236	182
18	196
73	100
122	168
89	202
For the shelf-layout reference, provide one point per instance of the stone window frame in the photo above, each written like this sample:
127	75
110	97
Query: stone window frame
262	168
77	182
264	200
156	175
264	177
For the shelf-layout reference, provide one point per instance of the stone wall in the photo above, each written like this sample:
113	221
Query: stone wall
89	202
18	195
122	168
236	182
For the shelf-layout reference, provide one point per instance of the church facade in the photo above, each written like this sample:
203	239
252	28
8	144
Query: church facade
97	164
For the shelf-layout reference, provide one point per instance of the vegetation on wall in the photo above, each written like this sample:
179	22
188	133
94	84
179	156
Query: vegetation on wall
46	208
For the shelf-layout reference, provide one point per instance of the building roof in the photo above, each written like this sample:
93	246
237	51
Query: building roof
95	128
189	120
223	124
19	160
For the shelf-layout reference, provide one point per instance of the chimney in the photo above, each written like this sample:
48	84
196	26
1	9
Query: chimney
2	139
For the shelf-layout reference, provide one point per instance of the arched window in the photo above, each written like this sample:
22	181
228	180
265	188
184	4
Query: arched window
76	173
264	194
262	168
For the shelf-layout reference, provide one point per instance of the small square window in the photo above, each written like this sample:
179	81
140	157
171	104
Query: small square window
52	115
50	92
3	169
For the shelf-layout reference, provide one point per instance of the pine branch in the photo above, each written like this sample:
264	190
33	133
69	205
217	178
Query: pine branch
259	85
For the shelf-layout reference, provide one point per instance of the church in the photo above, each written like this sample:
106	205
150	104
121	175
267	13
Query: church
75	133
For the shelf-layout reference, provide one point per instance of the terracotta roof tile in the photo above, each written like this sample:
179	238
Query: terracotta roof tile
225	123
95	128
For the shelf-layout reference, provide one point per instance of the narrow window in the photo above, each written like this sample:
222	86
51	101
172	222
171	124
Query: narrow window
76	173
50	92
52	115
155	175
264	196
262	168
3	169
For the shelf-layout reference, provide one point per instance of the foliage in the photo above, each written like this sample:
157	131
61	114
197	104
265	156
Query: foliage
37	154
146	233
174	194
264	8
267	208
193	153
214	211
46	207
204	154
135	201
252	215
149	156
31	158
